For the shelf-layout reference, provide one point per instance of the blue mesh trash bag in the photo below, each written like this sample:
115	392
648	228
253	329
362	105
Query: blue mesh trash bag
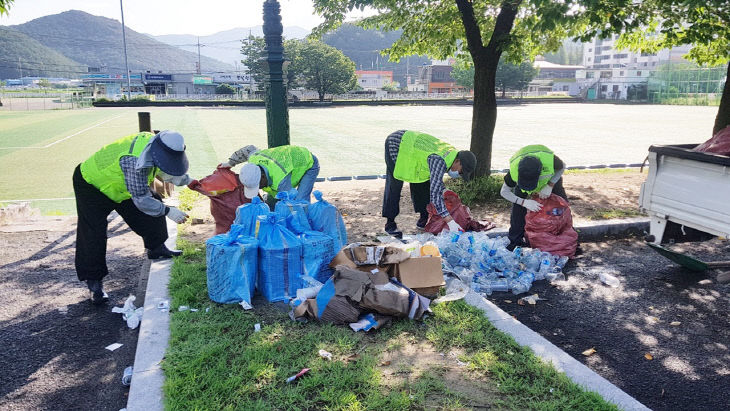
318	249
288	205
325	217
280	260
246	215
231	266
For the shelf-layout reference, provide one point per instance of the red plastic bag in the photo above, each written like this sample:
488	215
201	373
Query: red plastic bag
551	228
459	212
718	144
226	194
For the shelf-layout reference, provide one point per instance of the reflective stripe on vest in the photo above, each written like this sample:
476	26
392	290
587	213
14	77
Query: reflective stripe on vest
282	161
102	169
411	165
546	157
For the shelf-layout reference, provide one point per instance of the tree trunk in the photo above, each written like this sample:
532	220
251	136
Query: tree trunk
503	91
486	59
723	113
321	95
484	115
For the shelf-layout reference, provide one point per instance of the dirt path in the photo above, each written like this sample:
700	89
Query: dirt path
680	318
52	337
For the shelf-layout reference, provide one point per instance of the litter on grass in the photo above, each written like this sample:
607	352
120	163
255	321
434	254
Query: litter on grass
326	355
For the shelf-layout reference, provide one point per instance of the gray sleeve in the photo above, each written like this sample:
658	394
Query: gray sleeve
507	193
136	182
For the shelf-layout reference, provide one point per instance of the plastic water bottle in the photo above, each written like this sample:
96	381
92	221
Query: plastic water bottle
127	376
545	265
522	283
500	284
557	211
560	262
533	263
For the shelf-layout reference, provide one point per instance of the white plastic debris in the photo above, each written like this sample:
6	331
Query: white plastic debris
163	305
609	280
325	354
455	290
207	309
257	327
112	347
193	310
131	314
530	299
245	305
183	308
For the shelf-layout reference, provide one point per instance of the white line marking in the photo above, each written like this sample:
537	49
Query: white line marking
67	137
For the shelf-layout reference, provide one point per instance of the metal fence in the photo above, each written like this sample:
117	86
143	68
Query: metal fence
43	101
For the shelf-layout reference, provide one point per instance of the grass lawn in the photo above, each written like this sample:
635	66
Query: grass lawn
216	361
39	149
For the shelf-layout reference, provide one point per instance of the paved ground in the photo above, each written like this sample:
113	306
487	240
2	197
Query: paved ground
691	360
52	338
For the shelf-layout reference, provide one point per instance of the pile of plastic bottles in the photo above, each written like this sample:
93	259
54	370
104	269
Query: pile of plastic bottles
488	266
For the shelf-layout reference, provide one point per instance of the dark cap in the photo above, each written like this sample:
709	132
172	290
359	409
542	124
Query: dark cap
168	153
468	164
528	173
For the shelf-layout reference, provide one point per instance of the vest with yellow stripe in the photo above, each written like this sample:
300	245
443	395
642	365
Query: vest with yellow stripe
411	165
280	162
546	157
102	169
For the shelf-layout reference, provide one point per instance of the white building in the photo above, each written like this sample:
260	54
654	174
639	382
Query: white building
610	73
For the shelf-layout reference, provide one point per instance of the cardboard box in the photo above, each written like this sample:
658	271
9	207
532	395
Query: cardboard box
365	252
421	274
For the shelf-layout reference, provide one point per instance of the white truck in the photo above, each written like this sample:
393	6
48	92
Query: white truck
687	187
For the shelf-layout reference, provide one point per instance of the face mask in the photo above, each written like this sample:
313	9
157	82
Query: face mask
164	176
454	174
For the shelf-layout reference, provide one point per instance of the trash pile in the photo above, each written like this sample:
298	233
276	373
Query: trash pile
372	284
272	252
487	265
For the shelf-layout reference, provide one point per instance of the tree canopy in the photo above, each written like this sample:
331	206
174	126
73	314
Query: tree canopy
324	69
4	6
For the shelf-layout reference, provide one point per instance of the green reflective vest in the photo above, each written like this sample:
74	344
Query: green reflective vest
282	161
546	157
411	165
102	169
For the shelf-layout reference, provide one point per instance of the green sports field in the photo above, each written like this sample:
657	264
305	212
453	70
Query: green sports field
39	149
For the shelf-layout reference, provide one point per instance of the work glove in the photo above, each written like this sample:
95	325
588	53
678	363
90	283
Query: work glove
240	156
545	192
454	226
176	215
532	205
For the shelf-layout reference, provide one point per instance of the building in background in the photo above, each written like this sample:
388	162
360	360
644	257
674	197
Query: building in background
436	78
112	86
373	79
554	79
619	74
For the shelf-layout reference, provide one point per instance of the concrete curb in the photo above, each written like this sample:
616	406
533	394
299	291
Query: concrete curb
619	227
145	393
545	350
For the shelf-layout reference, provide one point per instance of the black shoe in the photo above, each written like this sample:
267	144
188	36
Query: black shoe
98	296
421	224
161	252
392	229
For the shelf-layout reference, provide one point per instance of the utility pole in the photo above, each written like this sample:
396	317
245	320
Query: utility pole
198	54
20	67
126	63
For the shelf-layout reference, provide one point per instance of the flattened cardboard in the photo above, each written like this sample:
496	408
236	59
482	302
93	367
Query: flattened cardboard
420	272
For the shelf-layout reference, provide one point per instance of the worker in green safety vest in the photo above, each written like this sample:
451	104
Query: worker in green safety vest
276	169
533	169
421	160
118	177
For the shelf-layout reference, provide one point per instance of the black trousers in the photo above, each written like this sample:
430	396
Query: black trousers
93	208
420	192
517	218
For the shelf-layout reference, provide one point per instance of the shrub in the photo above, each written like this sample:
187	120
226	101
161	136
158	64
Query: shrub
478	191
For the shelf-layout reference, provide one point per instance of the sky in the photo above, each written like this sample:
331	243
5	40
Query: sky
158	17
